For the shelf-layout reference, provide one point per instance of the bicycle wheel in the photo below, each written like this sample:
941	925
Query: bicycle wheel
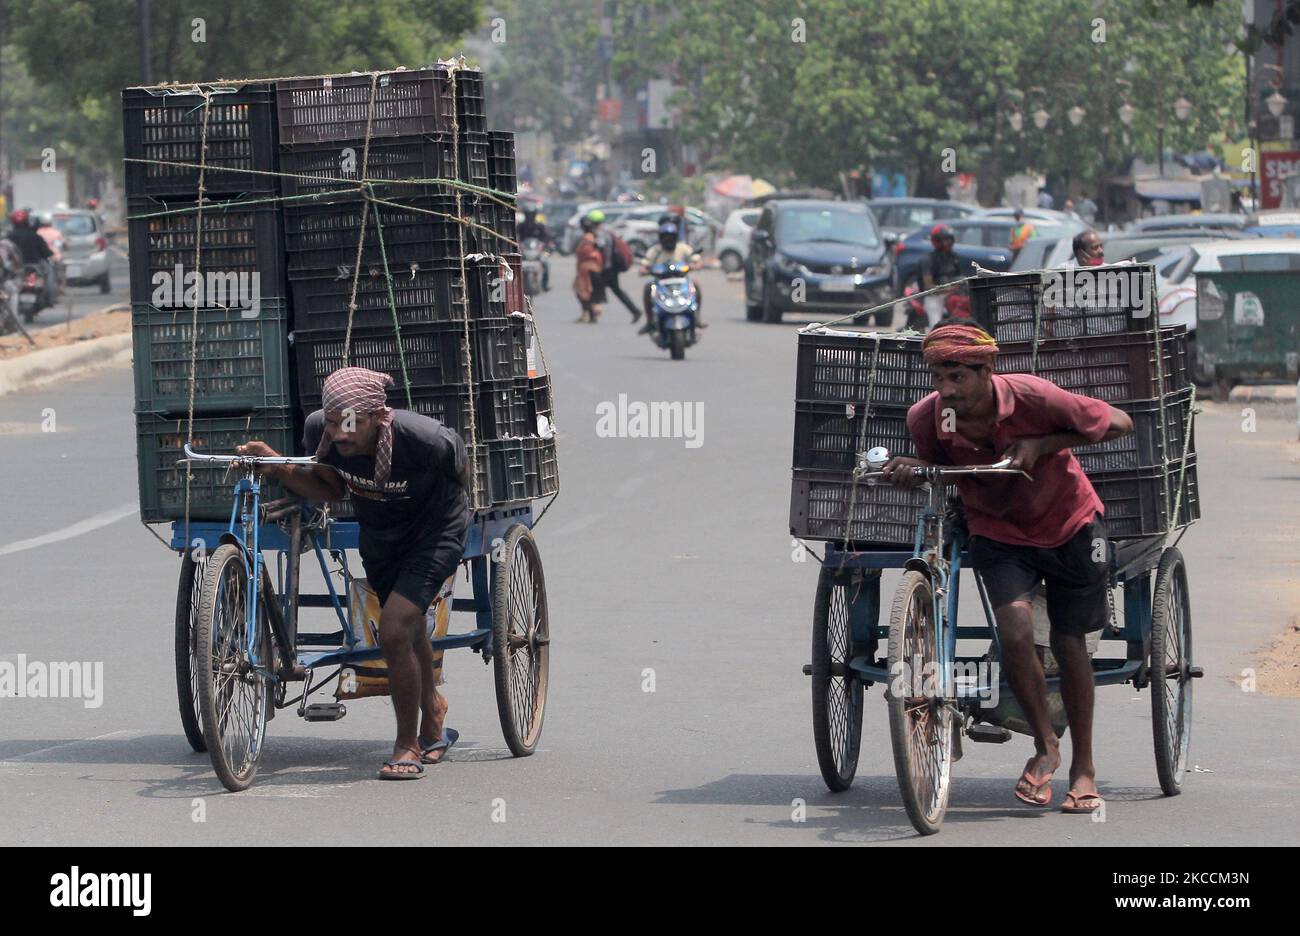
233	698
187	606
836	690
1170	665
920	725
521	638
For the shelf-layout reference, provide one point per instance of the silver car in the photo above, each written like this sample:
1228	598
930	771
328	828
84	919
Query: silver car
85	249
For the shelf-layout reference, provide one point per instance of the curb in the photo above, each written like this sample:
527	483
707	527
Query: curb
1264	393
50	364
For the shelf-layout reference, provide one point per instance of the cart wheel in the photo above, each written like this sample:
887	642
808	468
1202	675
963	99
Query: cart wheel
187	606
920	726
1171	651
836	690
233	699
521	638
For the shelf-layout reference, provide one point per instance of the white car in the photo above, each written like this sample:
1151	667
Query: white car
572	227
733	244
640	228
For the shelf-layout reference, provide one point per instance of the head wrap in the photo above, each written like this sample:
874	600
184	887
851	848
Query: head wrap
361	391
965	344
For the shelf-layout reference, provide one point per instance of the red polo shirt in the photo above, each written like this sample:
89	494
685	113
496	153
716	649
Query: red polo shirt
1011	509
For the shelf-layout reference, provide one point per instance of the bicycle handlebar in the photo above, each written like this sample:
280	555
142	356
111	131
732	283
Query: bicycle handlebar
191	455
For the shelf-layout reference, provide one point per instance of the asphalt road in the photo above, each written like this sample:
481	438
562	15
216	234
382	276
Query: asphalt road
659	556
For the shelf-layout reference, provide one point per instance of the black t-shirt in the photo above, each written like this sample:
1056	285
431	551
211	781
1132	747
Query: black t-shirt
944	267
422	506
30	244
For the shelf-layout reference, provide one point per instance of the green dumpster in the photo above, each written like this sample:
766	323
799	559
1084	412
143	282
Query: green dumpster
1248	314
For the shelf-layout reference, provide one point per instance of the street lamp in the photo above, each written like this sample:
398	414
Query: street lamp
1182	108
1076	115
1016	119
1126	113
1041	117
1276	103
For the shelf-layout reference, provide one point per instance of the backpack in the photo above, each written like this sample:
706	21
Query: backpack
622	259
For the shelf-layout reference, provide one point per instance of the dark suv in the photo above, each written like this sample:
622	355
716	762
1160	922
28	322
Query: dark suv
816	256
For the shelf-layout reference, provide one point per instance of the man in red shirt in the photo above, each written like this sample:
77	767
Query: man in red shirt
1025	531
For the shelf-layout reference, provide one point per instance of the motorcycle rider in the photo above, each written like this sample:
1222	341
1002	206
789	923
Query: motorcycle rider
534	228
944	267
669	249
35	251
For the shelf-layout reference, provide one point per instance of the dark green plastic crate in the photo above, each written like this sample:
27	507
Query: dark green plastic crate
160	443
240	363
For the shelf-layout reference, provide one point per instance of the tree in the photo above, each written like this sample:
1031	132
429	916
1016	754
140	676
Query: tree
79	54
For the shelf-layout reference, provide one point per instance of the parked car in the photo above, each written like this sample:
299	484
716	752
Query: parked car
733	244
979	240
830	251
1038	217
85	249
898	217
1229	222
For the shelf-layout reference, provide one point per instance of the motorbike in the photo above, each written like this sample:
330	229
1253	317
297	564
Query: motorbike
532	255
11	275
675	304
33	296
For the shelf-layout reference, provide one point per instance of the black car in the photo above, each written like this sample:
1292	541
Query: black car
811	255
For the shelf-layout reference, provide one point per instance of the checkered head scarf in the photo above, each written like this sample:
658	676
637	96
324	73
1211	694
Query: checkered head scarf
361	391
965	344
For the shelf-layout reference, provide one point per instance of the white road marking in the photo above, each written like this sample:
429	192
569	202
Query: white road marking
54	747
581	523
85	526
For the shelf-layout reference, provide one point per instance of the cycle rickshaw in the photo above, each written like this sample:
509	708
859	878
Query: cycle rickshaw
238	641
927	718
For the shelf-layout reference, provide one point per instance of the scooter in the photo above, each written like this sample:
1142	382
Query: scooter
675	304
532	255
32	294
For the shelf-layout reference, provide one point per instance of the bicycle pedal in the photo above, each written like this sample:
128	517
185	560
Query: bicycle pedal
324	711
988	734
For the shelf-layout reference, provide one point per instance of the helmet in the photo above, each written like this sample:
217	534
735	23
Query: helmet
596	216
19	217
667	228
941	232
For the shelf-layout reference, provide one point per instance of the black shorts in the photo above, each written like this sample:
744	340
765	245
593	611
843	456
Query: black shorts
1077	583
411	575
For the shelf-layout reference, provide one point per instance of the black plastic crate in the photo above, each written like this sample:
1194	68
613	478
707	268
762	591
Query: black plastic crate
321	239
829	436
475	158
336	166
824	506
431	293
160	443
240	363
167	125
471	114
543	467
504	223
1139	503
1111	368
433	355
1006	306
1145	446
841	368
539	398
495	286
240	239
501	166
502	346
339	107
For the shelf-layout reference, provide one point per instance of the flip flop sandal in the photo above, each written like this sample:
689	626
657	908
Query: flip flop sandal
402	775
1078	798
449	737
1038	783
